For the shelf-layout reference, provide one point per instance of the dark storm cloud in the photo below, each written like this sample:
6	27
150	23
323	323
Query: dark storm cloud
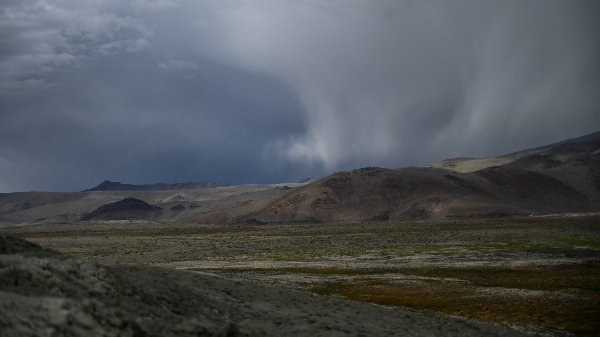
242	91
392	83
116	123
163	112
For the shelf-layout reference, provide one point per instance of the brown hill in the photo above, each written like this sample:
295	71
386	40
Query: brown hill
558	178
385	194
126	209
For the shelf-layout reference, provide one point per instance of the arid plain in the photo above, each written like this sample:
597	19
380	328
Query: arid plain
535	273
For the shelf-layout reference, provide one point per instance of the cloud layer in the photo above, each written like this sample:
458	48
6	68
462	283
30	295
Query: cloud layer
264	91
390	82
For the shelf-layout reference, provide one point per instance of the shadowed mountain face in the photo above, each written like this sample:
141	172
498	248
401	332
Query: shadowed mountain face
126	209
558	178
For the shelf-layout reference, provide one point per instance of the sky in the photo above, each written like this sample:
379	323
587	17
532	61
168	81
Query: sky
259	91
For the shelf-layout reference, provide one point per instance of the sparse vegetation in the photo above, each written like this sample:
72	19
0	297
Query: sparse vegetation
575	310
534	272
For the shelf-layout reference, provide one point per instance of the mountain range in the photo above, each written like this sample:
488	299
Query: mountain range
562	177
108	185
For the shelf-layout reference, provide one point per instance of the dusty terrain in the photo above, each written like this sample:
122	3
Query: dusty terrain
537	273
47	294
60	207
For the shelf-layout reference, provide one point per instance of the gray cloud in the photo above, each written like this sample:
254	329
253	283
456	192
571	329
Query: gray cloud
243	91
400	82
43	36
119	125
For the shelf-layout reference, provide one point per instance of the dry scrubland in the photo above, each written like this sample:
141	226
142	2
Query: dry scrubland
539	273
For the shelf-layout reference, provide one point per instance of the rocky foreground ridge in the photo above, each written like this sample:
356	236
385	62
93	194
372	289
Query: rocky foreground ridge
43	293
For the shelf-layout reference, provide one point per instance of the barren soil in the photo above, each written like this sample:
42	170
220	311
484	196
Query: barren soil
541	274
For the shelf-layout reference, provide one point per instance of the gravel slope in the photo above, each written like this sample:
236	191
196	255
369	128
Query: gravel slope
44	293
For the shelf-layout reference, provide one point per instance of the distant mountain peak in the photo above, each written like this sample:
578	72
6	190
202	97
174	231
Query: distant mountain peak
108	185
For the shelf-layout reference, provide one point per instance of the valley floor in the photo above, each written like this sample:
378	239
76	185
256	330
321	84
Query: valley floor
536	273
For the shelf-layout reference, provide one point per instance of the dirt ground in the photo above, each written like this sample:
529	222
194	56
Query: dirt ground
537	273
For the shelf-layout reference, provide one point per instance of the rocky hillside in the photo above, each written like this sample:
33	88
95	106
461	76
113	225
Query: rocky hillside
559	178
43	293
385	194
